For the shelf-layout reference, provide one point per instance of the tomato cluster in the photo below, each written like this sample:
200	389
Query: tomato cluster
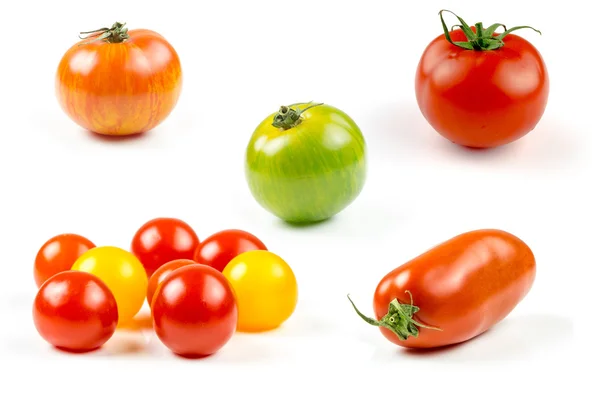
199	292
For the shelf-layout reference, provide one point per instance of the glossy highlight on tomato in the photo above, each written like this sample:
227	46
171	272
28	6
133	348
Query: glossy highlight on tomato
455	291
75	311
118	81
479	88
160	274
219	249
58	254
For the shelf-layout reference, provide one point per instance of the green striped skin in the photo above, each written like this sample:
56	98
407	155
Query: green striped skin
310	172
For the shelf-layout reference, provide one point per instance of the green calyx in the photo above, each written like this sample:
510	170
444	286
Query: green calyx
482	38
399	319
288	117
118	33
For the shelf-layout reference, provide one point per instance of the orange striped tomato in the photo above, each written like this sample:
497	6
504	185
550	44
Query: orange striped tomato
119	82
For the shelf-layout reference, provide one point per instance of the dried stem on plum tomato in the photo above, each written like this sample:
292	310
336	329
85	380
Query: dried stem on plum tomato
115	34
482	38
399	319
288	117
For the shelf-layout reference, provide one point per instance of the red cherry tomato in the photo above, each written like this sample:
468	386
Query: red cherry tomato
75	311
58	254
194	311
218	249
161	240
160	274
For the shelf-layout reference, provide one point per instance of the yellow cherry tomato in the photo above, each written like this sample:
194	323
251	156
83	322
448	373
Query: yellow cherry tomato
265	289
122	272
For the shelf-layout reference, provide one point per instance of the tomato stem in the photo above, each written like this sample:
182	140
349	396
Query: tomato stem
482	38
399	319
115	34
288	117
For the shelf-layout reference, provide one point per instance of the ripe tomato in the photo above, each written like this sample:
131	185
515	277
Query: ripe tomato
455	291
75	311
220	248
160	274
306	162
122	272
161	240
265	287
481	89
119	82
58	254
194	311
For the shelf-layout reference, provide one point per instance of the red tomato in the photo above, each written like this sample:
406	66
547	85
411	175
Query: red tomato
161	273
162	240
58	254
119	82
218	249
194	311
75	311
455	291
478	97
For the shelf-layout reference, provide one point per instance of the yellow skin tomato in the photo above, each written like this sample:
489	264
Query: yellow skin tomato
122	272
265	289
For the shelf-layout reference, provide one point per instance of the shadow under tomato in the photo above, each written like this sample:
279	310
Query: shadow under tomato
125	344
306	225
76	352
117	138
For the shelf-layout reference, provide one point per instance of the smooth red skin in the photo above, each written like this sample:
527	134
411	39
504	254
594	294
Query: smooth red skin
161	273
220	248
463	286
161	240
59	254
482	99
75	311
194	311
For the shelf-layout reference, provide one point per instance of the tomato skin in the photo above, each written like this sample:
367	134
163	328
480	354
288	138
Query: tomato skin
161	240
160	274
463	286
75	311
120	88
58	254
194	311
220	248
482	99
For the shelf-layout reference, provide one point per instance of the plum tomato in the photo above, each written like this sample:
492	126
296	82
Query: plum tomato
220	248
160	274
194	311
122	272
75	311
58	254
265	287
161	240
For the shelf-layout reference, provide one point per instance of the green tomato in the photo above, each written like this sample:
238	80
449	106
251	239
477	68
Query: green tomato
306	162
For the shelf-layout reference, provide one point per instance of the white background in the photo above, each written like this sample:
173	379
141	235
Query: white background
241	60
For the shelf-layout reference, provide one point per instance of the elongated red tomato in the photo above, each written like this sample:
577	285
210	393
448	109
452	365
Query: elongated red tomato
119	82
455	291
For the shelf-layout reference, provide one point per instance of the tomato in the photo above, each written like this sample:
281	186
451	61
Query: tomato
162	240
119	82
265	287
194	311
75	311
160	274
122	272
306	162
220	248
455	291
58	254
479	89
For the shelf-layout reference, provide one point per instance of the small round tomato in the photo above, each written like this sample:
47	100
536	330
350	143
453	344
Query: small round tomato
161	240
265	287
75	311
481	89
118	81
160	274
194	311
122	272
58	254
220	248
